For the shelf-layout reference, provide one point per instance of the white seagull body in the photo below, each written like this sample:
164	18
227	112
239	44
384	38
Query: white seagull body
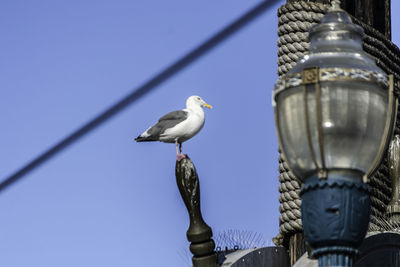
178	126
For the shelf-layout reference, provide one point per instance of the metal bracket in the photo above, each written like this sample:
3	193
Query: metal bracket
389	126
310	75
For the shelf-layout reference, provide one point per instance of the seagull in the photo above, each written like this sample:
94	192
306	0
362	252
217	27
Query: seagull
178	126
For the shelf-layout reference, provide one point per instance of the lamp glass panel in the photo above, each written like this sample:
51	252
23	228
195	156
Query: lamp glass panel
353	123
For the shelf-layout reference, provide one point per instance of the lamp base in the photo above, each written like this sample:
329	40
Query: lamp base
335	216
335	256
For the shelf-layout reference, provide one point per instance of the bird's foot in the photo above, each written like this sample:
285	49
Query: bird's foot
181	156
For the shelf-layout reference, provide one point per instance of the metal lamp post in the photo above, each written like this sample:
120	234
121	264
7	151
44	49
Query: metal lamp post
334	117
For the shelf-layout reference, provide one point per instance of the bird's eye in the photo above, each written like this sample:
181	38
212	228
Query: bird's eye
198	98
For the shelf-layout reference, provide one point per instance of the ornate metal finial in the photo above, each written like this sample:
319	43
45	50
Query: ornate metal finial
335	5
393	209
199	233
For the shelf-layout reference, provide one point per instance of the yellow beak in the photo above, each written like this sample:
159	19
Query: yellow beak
207	106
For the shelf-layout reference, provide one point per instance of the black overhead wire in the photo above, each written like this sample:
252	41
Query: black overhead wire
146	88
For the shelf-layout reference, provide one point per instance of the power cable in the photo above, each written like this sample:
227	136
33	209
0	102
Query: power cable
139	92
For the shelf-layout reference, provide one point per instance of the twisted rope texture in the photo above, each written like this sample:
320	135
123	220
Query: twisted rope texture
295	18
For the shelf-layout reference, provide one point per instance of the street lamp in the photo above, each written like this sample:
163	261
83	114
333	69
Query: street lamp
334	117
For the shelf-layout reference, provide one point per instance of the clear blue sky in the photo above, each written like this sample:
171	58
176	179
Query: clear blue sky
106	200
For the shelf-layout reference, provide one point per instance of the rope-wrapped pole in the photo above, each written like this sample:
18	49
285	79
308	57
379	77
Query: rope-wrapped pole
199	233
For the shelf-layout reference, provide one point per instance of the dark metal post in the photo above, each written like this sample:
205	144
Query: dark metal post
199	233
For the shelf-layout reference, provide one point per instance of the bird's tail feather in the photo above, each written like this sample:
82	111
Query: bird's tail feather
145	139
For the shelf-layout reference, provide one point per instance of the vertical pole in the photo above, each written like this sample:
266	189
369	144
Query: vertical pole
297	247
393	209
388	23
375	13
364	11
199	233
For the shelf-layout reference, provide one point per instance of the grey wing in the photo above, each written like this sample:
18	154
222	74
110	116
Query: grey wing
167	121
179	115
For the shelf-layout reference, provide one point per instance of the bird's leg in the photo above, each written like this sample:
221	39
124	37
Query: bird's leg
176	146
179	154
